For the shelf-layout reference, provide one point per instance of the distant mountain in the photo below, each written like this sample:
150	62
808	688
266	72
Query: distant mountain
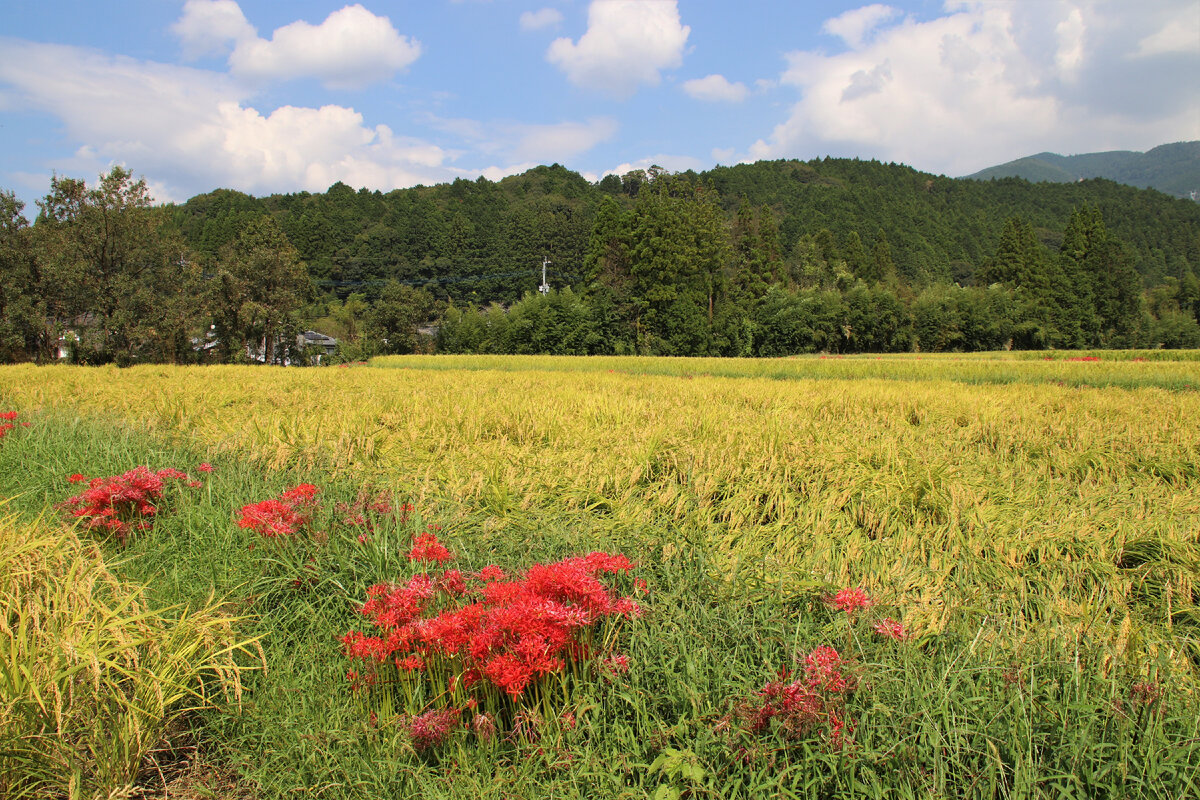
1173	169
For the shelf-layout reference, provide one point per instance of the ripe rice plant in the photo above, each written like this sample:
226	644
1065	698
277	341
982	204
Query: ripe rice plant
92	681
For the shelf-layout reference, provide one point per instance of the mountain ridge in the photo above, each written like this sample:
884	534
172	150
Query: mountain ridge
1172	168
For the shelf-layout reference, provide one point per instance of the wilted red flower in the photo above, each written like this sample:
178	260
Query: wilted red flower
890	629
485	726
1146	692
617	664
431	728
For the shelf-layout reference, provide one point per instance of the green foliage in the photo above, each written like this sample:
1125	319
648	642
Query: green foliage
664	264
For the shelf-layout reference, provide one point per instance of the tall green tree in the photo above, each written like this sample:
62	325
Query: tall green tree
108	258
23	330
263	284
394	318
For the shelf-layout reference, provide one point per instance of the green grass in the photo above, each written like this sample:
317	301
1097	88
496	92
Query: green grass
982	708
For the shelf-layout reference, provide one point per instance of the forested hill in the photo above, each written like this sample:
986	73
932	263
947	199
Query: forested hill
480	241
1171	168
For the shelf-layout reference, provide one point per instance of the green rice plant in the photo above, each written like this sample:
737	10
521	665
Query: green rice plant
92	681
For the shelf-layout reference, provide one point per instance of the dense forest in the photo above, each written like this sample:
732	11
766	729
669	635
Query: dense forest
764	259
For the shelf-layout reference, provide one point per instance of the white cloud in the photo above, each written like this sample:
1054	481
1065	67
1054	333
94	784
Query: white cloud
989	82
1181	35
210	27
627	43
1070	32
715	88
193	130
542	18
562	141
855	25
349	50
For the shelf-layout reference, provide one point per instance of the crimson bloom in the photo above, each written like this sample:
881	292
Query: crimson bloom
426	547
851	600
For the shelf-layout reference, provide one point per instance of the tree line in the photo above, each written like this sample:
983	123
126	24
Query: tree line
765	259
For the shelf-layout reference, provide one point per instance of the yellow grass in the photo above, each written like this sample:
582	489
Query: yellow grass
1072	510
92	681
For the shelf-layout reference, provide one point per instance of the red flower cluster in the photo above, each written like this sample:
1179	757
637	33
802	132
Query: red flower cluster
811	702
426	547
121	503
282	516
1084	358
490	630
850	600
7	422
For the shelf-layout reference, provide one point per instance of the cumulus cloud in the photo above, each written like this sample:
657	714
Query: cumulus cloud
194	129
349	50
628	43
989	81
542	18
855	25
716	88
211	27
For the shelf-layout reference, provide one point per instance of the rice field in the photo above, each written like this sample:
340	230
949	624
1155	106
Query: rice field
1006	501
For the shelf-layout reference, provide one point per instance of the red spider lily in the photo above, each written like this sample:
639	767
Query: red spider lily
77	478
426	547
282	516
205	467
412	663
122	503
850	600
432	728
507	632
9	418
813	702
889	628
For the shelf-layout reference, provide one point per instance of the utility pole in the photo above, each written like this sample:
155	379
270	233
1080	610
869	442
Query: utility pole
545	287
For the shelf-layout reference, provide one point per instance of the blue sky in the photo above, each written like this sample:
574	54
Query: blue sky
275	97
